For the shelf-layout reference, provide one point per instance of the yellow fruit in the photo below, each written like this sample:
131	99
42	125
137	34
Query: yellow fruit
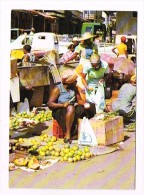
70	159
79	152
17	144
53	153
66	146
53	138
74	159
65	158
70	154
57	154
86	149
61	159
78	157
50	143
62	153
45	139
82	157
47	153
66	150
42	153
75	147
45	135
41	138
34	147
47	147
57	149
20	140
50	148
87	155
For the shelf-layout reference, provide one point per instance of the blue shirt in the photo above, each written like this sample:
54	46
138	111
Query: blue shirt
65	95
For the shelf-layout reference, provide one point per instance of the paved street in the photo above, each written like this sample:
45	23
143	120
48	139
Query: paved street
115	170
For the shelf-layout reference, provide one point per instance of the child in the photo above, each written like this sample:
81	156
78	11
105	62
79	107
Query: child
28	57
68	54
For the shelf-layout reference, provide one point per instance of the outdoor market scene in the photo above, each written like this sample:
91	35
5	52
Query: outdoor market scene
72	119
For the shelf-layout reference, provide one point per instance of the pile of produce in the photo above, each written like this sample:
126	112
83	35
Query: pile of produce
25	119
110	115
40	148
130	127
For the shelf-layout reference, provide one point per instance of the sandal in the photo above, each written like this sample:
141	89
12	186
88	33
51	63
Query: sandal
67	140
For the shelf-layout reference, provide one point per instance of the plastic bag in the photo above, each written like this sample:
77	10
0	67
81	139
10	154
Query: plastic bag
23	106
15	89
87	135
100	99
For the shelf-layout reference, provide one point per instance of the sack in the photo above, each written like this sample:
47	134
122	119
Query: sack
87	135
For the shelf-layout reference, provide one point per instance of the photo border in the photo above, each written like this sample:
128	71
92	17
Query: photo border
5	14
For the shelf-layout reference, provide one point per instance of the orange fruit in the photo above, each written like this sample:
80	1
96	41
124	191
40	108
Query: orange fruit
87	155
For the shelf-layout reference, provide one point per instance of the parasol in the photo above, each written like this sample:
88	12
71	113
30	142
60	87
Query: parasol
126	66
107	58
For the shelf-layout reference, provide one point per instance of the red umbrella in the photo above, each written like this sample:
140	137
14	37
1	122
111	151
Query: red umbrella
126	66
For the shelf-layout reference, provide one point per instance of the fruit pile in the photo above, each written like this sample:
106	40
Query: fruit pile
46	145
25	119
110	115
74	153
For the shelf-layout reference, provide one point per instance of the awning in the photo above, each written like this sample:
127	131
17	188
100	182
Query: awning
42	14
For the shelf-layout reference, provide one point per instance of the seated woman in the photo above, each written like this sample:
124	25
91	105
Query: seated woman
126	102
65	109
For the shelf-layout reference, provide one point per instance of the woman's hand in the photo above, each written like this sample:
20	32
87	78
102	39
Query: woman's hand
86	105
66	104
101	81
76	104
89	88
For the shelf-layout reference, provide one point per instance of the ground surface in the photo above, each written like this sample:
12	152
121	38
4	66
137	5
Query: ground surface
115	170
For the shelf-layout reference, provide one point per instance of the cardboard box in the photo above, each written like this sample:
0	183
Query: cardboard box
107	131
13	68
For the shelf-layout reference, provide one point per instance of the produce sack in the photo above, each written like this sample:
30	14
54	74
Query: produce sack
87	135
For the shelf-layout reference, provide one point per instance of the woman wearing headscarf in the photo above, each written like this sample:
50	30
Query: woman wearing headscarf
65	109
121	49
126	101
93	76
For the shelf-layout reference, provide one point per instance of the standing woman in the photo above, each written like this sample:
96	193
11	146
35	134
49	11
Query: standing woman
92	76
85	49
121	49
